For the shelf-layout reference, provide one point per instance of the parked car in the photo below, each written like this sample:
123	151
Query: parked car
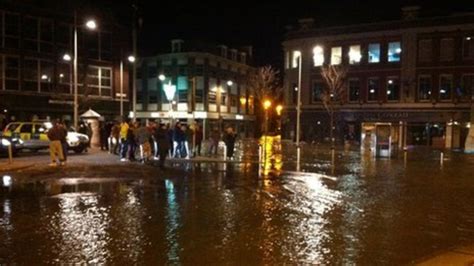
35	138
5	142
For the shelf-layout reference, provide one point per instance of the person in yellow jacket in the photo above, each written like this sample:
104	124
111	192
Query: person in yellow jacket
123	139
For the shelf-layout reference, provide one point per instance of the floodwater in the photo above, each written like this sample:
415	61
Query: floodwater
353	210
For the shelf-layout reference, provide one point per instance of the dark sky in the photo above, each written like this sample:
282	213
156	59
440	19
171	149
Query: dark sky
262	24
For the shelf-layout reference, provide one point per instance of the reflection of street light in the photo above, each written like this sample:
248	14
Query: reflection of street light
278	109
266	105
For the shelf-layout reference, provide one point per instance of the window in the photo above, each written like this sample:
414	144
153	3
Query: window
46	76
467	87
336	55
26	128
30	75
424	88
393	89
425	50
394	52
295	59
106	46
446	52
354	90
182	89
12	30
243	58
11	73
152	72
318	55
212	96
99	81
46	36
373	87
445	87
316	91
374	53
64	78
468	47
199	93
30	34
354	54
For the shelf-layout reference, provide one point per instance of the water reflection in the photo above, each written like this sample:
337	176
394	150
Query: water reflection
272	158
172	223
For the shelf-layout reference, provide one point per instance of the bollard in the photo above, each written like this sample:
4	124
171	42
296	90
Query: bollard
405	158
298	158
441	159
259	160
225	153
10	154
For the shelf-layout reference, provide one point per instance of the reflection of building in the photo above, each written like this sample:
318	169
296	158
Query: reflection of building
210	85
35	81
416	74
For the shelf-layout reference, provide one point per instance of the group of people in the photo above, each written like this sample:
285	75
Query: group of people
141	141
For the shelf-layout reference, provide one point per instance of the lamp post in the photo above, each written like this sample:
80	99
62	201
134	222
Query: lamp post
266	105
278	109
298	114
91	25
131	59
170	91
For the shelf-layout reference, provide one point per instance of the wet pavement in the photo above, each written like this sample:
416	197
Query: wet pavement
344	209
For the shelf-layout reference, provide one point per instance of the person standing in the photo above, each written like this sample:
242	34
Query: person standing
55	147
143	137
229	140
114	138
103	136
63	139
163	140
124	127
214	142
188	140
198	135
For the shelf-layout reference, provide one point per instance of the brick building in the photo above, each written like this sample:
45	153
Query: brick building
409	81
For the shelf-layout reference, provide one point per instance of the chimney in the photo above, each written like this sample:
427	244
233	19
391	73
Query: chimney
306	23
410	12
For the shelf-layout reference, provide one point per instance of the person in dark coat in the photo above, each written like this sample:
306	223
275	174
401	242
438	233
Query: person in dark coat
198	136
229	140
163	140
103	136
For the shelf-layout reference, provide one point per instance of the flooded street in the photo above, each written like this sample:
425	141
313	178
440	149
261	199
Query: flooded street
350	209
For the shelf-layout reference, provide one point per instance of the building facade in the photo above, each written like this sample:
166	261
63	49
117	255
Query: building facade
409	82
35	80
198	82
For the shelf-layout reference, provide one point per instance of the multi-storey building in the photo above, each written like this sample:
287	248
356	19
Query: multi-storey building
36	81
409	82
198	81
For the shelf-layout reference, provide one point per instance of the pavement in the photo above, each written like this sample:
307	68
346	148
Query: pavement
456	256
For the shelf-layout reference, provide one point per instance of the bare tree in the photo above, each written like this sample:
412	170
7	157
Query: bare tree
265	84
334	92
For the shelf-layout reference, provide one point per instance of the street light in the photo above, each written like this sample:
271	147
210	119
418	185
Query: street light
130	59
298	114
91	25
170	91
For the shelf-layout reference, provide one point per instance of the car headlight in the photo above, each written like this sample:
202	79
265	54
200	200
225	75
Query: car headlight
6	142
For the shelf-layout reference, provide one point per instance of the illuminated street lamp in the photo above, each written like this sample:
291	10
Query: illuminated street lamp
278	109
170	91
131	59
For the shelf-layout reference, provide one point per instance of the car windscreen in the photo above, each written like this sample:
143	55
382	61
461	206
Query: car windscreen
12	127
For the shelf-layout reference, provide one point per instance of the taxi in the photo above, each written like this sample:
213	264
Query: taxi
35	138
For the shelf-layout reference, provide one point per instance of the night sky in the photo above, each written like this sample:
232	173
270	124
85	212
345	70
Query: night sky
262	25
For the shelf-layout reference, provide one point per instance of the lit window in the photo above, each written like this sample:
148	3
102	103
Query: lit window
373	89
393	89
374	53
336	55
354	90
445	87
394	51
354	54
424	88
295	59
318	56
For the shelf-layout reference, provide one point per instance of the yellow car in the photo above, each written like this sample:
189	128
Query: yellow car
35	138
